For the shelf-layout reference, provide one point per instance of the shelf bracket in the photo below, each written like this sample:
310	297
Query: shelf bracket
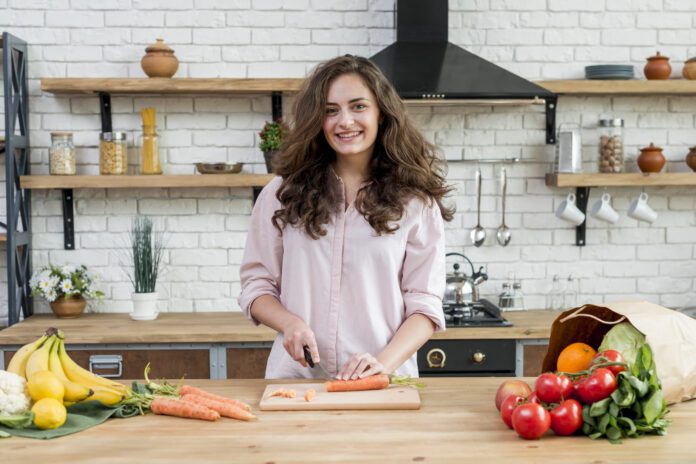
551	103
582	195
68	222
105	108
277	105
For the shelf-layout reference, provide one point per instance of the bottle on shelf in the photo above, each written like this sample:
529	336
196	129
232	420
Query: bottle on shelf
149	144
555	297
570	296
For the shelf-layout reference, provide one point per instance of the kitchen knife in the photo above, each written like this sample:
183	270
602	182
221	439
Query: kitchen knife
312	364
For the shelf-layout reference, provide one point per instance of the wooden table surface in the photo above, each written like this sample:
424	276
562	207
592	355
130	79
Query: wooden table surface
226	327
456	423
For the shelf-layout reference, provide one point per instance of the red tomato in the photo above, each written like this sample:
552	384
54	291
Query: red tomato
566	418
531	421
599	385
552	388
533	398
508	406
612	356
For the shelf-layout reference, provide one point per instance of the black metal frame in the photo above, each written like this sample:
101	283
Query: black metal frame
582	196
17	164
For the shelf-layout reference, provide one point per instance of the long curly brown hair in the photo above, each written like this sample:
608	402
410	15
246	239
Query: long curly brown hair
403	165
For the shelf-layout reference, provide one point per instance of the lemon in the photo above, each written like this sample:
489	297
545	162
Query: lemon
45	384
49	413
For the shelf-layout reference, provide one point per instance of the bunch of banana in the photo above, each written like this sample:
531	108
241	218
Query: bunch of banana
48	354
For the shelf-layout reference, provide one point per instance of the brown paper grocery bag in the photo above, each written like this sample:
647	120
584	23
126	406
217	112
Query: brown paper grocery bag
670	334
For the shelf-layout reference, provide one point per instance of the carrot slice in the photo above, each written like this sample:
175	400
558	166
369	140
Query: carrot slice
290	393
224	409
188	390
178	408
278	392
310	394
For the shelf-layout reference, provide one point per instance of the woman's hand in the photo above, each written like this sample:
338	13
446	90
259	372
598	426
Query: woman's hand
296	335
360	365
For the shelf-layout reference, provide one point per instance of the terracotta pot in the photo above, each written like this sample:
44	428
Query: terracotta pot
159	60
658	67
651	159
689	71
691	158
66	308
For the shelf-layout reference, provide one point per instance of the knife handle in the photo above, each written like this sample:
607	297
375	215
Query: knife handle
308	356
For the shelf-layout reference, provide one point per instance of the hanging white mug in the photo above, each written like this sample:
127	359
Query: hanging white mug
568	211
602	210
641	210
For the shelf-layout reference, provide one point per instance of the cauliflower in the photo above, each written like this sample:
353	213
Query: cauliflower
13	394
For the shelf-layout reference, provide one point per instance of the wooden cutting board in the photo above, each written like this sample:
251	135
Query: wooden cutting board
394	397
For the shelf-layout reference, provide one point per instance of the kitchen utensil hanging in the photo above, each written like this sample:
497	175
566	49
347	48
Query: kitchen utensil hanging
503	233
478	233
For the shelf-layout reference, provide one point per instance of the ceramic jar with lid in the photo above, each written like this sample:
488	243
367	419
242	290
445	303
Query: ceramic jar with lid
689	71
657	67
159	60
611	147
691	158
651	159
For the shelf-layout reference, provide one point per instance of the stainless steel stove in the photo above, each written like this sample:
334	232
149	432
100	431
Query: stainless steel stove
482	313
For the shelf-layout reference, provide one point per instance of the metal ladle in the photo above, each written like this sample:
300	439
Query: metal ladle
478	233
503	234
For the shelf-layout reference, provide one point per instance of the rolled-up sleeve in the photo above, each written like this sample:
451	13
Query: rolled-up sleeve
260	271
423	277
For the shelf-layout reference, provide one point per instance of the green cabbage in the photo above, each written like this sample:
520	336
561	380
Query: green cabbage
625	339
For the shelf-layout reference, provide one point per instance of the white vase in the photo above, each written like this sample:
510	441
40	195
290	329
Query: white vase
144	306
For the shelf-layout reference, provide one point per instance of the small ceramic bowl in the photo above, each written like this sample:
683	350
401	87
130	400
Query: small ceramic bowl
219	168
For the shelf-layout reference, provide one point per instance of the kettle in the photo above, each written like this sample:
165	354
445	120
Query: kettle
461	289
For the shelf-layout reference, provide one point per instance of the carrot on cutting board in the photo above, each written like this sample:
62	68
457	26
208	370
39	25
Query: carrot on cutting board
279	392
179	408
224	409
373	382
310	394
190	390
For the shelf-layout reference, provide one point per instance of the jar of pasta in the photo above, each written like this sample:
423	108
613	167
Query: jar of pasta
61	155
149	149
611	146
113	153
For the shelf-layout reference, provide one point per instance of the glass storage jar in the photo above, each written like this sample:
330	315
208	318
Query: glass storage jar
611	146
61	155
113	153
149	151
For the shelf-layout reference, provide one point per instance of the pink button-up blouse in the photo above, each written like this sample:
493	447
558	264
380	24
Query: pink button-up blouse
352	287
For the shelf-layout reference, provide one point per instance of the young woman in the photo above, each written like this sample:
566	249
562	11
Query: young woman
345	253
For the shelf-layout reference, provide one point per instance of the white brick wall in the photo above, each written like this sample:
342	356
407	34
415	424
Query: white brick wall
263	38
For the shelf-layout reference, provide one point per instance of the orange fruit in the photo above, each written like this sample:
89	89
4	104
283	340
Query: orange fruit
575	357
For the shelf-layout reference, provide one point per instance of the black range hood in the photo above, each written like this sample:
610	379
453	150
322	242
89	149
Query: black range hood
423	64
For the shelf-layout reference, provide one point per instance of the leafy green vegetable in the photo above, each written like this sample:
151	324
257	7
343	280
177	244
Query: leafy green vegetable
635	408
4	434
625	339
18	421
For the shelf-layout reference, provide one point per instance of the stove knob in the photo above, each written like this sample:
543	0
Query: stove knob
479	357
436	358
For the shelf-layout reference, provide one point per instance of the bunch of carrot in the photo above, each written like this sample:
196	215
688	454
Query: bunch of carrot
189	402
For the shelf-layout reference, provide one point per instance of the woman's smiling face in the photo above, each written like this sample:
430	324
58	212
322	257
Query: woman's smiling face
351	117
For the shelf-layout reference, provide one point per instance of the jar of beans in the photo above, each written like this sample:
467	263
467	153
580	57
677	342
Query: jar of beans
611	146
61	155
113	157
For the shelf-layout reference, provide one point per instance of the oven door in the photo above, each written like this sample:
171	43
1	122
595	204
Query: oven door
457	358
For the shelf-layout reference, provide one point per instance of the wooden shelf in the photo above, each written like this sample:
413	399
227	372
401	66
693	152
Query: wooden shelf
144	181
620	87
168	86
620	180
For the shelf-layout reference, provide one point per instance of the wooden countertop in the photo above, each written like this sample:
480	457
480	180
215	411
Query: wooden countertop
226	328
456	423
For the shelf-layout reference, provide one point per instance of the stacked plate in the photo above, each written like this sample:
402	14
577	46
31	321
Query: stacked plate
609	71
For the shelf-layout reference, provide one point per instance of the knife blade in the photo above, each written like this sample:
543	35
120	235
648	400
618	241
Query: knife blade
312	364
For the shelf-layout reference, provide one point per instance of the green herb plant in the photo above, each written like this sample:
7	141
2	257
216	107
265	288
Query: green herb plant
273	134
637	406
146	252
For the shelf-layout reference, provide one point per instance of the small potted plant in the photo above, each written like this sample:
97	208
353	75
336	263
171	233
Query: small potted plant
271	140
145	253
65	288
